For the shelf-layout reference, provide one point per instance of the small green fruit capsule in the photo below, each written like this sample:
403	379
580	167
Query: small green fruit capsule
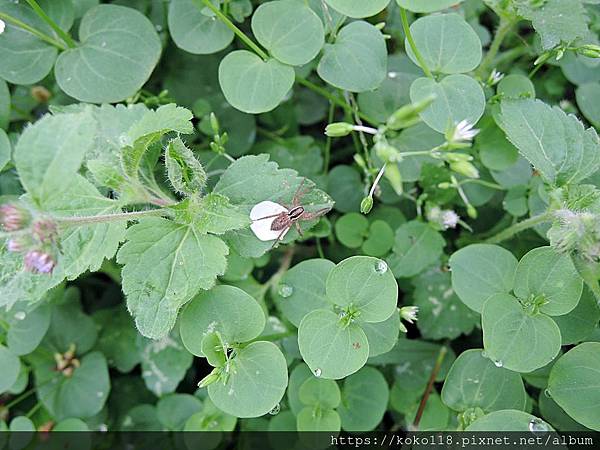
339	129
465	168
472	212
366	204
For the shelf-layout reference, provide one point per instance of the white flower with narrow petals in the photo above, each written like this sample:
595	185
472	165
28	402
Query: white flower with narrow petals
2	26
463	132
409	313
449	219
262	215
495	77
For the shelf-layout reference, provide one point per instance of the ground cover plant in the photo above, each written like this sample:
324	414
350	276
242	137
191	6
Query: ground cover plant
313	215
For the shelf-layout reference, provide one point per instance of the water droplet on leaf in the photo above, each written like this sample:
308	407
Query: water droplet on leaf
317	372
537	425
547	393
498	363
275	410
381	267
20	315
285	290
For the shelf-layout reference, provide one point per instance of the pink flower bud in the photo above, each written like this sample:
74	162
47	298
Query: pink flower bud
39	262
14	245
12	217
44	231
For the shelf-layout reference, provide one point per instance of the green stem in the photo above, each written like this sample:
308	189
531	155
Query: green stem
518	227
413	45
327	156
21	397
58	30
84	220
32	30
274	337
504	28
239	33
483	183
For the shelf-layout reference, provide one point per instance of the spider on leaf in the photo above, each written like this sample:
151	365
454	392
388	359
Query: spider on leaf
271	220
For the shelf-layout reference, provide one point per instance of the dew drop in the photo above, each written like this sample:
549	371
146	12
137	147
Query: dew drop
20	315
99	394
537	425
317	372
498	363
213	424
483	354
381	267
159	28
547	393
275	410
103	44
285	290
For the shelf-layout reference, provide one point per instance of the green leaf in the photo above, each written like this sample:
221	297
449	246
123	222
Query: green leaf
573	384
5	149
417	247
351	229
5	108
299	375
556	416
141	418
480	271
174	410
436	415
81	395
164	363
195	31
291	31
72	424
557	21
516	86
302	289
545	273
185	172
458	97
381	239
588	100
514	338
51	151
357	9
252	85
117	338
26	59
363	284
165	265
256	383
331	350
557	144
509	420
27	329
382	336
322	420
427	6
441	313
448	44
580	323
210	418
495	151
224	309
10	365
364	400
357	61
345	186
475	382
318	392
118	52
217	216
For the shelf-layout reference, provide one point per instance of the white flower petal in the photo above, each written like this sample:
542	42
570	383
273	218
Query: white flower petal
260	226
2	26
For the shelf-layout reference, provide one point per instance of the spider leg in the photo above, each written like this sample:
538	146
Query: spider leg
300	193
299	229
314	215
279	237
266	217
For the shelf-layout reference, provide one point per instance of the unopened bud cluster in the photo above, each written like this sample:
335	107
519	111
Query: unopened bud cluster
409	314
576	232
66	363
443	219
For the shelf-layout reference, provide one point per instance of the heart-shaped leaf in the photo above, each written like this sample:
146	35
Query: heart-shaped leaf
358	9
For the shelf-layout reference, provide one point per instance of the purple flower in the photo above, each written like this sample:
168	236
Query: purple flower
44	230
12	217
14	245
39	262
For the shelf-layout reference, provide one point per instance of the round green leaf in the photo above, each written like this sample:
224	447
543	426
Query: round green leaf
117	339
174	410
320	392
290	30
357	9
253	85
458	97
475	382
196	32
427	6
380	240
382	336
509	420
72	424
365	284
447	43
226	309
256	383
118	52
331	350
545	273
345	186
515	339
25	58
302	289
588	100
417	246
310	419
5	107
210	419
579	324
299	375
351	229
573	384
10	365
516	86
496	152
21	424
27	329
364	400
357	61
556	416
480	271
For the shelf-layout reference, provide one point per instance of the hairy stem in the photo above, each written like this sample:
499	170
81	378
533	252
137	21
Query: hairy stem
32	30
518	227
85	220
436	368
58	30
413	45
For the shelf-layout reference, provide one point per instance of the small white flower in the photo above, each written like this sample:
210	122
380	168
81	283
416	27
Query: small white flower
495	77
262	215
409	313
449	219
2	26
463	132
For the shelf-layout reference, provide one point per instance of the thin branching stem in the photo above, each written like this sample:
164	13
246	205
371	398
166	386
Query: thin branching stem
37	33
413	45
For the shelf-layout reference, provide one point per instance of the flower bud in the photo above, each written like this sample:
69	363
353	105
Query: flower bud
471	212
210	378
15	245
13	217
366	204
408	115
444	185
387	153
409	313
465	168
214	123
392	174
589	50
44	231
39	262
339	129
